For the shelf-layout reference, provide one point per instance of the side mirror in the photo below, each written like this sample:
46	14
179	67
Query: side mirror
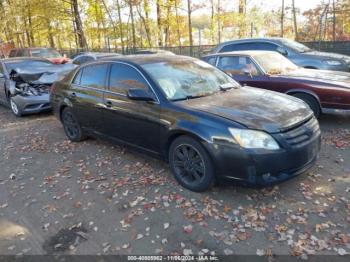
139	94
282	51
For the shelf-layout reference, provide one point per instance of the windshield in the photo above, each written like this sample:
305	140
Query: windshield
185	79
274	63
45	53
26	65
295	46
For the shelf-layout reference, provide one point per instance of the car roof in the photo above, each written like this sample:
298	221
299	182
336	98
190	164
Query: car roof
33	48
98	54
149	58
245	52
271	39
21	59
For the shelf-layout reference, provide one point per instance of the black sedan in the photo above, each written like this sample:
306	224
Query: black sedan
192	115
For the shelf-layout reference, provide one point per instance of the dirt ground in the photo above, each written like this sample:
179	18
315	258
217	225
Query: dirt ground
94	197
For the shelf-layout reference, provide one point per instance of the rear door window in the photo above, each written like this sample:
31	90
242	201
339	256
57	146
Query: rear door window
124	77
94	76
237	65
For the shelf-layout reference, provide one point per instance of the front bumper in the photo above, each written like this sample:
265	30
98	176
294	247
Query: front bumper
263	167
33	104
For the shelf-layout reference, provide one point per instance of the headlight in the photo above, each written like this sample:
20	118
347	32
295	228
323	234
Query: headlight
253	139
333	62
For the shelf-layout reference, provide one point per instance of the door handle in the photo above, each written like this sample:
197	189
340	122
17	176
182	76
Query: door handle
108	103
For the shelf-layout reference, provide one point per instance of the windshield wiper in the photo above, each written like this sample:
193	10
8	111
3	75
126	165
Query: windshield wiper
190	97
227	86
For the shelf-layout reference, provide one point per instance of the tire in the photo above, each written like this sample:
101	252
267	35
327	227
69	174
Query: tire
72	128
14	107
191	165
311	102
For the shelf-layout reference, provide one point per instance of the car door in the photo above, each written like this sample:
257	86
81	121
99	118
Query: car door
134	122
86	95
2	84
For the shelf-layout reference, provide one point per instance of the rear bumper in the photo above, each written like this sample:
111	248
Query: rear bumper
33	104
263	167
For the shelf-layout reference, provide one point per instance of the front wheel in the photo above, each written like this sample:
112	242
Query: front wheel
191	164
15	108
71	126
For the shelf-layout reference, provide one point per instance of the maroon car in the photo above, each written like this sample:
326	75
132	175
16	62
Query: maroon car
323	91
41	52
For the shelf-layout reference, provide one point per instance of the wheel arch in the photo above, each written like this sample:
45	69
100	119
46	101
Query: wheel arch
311	67
65	103
176	134
306	92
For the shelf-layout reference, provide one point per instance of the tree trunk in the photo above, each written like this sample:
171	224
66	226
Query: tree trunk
219	21
241	11
132	26
189	15
178	31
212	22
295	21
334	21
120	25
282	19
78	25
145	22
159	23
167	29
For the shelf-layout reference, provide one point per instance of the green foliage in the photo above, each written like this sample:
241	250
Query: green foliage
55	23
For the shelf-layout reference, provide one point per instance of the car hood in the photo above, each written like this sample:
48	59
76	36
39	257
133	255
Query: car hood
327	55
43	74
254	108
325	76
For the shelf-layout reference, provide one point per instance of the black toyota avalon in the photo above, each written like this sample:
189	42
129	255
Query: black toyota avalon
191	114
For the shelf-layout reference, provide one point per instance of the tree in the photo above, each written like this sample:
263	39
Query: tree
189	16
78	24
282	18
295	21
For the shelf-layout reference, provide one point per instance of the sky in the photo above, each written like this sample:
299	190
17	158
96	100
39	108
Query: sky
275	4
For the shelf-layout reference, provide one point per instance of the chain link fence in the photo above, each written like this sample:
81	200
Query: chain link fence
342	47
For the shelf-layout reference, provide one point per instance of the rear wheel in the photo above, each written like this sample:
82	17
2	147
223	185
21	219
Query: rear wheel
191	164
14	107
71	126
311	101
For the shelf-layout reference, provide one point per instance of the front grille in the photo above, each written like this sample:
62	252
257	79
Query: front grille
300	135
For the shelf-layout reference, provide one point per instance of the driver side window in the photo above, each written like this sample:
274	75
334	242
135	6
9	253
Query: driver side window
124	77
238	65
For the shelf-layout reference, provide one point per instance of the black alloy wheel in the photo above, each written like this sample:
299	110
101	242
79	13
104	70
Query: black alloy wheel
71	126
191	164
